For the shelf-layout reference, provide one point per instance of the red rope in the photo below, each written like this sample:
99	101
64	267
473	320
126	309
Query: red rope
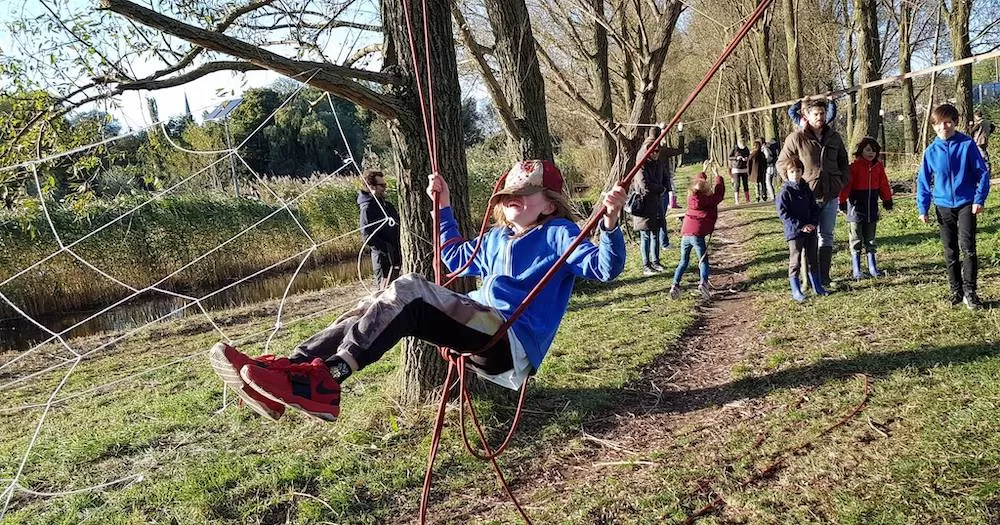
458	363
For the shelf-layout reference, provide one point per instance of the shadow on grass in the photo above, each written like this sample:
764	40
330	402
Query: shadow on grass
597	404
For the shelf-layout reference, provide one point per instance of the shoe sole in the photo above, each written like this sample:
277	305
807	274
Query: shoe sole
231	377
322	416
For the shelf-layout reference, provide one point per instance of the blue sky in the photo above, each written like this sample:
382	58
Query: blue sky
202	94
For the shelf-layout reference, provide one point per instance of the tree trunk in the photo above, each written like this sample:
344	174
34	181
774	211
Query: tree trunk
958	25
762	45
792	46
602	84
909	103
521	77
870	59
423	370
852	97
630	139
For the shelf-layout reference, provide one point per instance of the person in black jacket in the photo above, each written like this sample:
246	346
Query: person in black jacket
739	159
379	228
647	219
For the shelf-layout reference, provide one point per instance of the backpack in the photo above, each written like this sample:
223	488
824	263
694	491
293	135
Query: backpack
633	203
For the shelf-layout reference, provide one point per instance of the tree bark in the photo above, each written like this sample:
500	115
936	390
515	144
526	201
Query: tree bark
762	47
958	27
870	60
602	83
792	47
422	370
905	55
521	78
629	139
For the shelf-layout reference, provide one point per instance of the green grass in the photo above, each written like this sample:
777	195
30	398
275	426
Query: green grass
925	449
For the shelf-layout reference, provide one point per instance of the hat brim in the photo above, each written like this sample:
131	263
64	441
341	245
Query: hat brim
528	190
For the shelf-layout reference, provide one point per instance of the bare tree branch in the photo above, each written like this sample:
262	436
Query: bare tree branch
338	80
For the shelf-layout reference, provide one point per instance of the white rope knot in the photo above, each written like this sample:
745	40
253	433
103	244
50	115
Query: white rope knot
391	222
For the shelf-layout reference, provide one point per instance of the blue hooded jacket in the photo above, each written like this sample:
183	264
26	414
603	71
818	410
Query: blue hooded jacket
797	207
954	173
511	266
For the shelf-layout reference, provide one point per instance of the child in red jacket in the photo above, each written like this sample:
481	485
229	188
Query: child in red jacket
699	222
859	200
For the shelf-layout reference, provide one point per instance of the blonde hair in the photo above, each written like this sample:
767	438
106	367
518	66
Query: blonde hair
561	201
702	186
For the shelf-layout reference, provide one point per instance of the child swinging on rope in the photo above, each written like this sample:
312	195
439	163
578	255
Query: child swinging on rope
533	227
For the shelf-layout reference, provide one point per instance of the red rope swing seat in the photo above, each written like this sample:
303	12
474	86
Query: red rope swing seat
456	361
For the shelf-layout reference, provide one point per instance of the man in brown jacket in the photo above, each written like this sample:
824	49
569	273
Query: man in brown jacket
822	152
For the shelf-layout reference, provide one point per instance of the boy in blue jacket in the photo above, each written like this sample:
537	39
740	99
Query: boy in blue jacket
954	174
800	215
533	227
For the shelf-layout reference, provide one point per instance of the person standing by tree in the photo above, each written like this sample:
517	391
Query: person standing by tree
982	128
739	157
380	228
647	219
826	170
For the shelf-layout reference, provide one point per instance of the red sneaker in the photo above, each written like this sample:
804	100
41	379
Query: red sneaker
227	362
307	386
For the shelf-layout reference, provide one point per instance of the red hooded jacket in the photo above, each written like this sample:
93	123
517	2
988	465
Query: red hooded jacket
703	210
867	183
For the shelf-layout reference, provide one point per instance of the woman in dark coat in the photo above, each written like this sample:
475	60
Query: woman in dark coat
758	170
647	219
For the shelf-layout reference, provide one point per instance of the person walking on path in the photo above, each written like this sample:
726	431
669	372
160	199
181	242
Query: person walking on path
699	222
758	169
739	159
826	168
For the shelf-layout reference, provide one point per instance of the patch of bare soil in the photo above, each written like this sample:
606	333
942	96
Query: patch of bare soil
684	391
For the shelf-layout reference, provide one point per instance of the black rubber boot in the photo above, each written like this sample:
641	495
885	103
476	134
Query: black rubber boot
825	258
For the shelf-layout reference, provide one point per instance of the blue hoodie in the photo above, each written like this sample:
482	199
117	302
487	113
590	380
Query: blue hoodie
955	172
511	266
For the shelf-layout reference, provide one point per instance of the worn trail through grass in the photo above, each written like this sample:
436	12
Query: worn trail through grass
646	411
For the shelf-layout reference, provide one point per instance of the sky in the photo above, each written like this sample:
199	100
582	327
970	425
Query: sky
203	94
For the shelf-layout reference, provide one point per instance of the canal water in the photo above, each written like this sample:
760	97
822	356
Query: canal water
17	333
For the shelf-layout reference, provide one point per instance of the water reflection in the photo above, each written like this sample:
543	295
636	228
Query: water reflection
17	333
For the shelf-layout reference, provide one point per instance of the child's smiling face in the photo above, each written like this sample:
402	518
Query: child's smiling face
944	128
524	211
868	153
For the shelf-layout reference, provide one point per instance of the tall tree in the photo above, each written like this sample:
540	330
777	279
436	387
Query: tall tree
907	13
643	32
392	94
958	32
792	47
518	91
869	104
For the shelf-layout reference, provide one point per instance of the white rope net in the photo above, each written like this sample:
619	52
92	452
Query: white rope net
59	370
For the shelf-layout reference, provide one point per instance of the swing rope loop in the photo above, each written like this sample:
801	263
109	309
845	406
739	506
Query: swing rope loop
457	361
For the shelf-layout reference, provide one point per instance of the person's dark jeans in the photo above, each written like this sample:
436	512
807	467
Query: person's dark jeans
958	232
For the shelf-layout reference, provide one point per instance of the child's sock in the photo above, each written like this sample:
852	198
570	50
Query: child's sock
339	369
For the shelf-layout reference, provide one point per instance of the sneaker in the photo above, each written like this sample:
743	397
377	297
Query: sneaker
227	362
308	387
972	301
649	270
675	291
658	267
956	298
705	292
